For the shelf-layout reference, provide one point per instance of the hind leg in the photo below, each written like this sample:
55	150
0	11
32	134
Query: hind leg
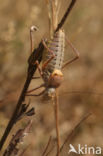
75	51
49	60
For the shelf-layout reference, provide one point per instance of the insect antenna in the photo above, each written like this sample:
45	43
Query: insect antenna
83	92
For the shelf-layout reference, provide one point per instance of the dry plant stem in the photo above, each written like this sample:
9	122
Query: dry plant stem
33	28
46	148
17	139
31	41
56	113
73	130
31	70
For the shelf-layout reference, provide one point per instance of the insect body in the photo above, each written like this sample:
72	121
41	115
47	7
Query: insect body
53	58
52	74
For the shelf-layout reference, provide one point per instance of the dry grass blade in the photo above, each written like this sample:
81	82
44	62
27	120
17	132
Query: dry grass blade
50	150
46	148
18	138
54	14
74	129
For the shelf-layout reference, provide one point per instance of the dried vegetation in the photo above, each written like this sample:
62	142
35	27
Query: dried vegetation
84	28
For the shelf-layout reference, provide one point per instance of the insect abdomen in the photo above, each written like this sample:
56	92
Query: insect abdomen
56	45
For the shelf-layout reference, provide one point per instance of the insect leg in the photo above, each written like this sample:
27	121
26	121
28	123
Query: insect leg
41	93
39	69
41	73
42	85
31	37
36	77
75	51
49	60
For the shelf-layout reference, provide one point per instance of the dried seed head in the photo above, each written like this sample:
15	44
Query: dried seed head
33	28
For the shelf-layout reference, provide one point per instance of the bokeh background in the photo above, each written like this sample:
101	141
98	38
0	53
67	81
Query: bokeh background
84	28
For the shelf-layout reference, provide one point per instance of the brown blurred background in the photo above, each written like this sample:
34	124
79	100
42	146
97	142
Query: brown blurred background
84	28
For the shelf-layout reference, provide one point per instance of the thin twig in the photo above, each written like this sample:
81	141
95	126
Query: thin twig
36	55
46	148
